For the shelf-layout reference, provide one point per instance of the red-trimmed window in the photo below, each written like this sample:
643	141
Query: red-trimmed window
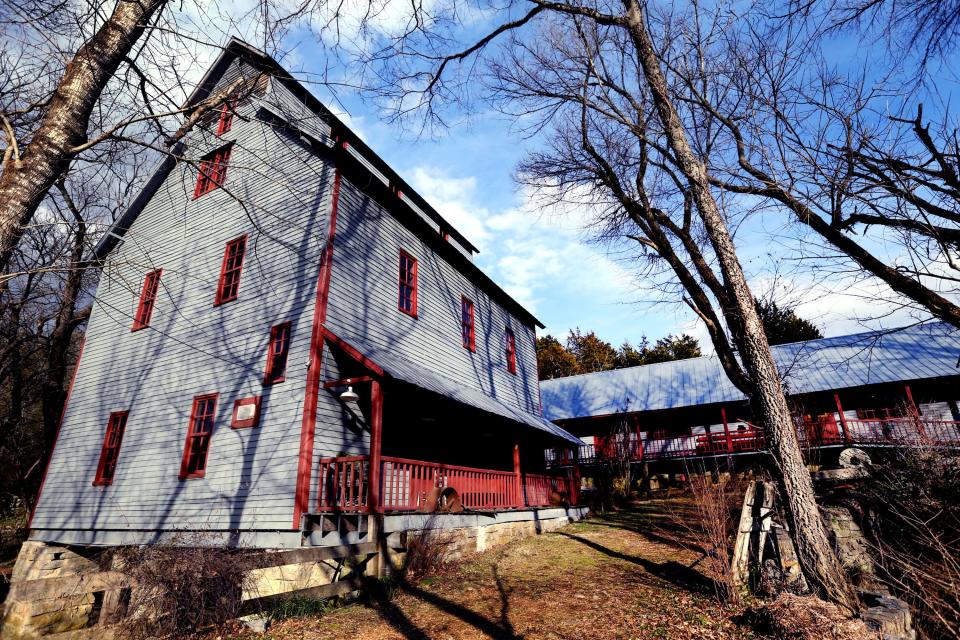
407	294
148	297
195	450
213	171
511	351
229	285
226	117
110	452
466	324
277	354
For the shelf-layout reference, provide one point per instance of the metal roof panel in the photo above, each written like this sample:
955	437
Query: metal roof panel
921	351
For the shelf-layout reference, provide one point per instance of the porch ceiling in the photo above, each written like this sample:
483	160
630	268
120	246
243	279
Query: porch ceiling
399	368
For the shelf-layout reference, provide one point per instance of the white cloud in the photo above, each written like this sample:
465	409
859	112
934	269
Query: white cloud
538	254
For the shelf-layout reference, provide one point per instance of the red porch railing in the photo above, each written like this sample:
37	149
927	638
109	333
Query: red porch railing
828	431
405	485
343	483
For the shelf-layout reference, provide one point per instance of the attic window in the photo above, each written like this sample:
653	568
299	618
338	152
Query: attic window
229	285
110	452
407	290
277	354
213	171
199	432
148	297
467	325
226	116
511	351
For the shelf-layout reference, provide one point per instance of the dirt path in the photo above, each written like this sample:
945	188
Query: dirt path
616	577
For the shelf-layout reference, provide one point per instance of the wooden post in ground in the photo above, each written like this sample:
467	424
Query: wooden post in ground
740	563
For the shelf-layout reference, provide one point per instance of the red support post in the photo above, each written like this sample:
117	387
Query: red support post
843	419
376	433
575	488
726	428
517	477
915	411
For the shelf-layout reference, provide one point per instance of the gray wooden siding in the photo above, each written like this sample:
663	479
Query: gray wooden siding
193	347
363	302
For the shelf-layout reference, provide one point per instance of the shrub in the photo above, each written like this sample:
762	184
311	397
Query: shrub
913	518
712	527
181	590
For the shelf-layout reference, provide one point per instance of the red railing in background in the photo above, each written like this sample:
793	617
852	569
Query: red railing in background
899	431
405	485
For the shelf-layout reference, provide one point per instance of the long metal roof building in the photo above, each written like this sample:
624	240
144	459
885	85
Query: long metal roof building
930	350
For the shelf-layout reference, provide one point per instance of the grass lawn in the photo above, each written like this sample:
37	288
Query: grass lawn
626	575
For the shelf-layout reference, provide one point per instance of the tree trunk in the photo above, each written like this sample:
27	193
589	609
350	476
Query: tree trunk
817	558
27	179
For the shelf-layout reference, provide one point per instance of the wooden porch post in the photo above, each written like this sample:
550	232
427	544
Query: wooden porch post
843	419
916	412
726	428
575	481
516	474
376	433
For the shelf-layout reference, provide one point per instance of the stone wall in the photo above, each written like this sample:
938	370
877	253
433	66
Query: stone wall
849	542
457	542
53	611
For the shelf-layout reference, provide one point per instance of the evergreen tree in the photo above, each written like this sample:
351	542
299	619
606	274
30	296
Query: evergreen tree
592	353
782	324
553	359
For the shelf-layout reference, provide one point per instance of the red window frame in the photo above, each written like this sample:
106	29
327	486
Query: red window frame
110	451
196	449
511	351
407	284
226	117
213	171
228	287
467	324
277	354
148	298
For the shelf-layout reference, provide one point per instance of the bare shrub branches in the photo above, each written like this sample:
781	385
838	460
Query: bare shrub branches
181	590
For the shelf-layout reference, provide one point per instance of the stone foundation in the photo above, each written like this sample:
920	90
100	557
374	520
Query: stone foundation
51	611
849	542
454	542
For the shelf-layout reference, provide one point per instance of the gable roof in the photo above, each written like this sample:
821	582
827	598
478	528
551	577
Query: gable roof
364	159
930	350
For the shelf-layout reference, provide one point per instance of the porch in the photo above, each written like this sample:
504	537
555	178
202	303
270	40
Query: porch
404	485
427	444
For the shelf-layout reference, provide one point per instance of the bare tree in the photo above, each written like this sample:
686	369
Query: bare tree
624	142
794	136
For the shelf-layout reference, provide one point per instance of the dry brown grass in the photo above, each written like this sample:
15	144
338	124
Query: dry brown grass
601	579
